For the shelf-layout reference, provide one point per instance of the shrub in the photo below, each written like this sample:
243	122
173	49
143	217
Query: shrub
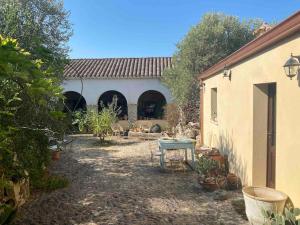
172	116
29	110
51	183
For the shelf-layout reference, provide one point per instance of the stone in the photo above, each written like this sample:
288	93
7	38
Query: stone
191	133
155	129
221	195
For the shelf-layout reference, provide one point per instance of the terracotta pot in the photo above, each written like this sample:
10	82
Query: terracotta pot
55	155
232	178
218	158
232	181
222	182
209	184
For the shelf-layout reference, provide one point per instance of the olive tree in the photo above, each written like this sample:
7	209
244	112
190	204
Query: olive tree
41	27
213	38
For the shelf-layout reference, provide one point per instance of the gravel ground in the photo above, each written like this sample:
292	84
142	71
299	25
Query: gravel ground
118	184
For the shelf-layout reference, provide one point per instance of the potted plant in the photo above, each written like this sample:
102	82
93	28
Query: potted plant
55	151
232	181
290	216
258	199
206	168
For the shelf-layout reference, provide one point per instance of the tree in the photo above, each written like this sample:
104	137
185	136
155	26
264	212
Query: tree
29	98
41	27
215	37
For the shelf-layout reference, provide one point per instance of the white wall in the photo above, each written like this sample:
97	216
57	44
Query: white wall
130	88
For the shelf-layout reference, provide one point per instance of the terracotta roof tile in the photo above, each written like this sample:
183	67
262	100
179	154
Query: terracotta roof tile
151	67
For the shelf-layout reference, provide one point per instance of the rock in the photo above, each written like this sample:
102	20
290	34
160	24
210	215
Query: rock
155	129
221	195
191	133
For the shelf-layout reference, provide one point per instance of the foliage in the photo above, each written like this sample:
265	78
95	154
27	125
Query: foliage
6	213
29	98
172	116
288	218
215	37
205	165
100	123
51	183
41	27
80	118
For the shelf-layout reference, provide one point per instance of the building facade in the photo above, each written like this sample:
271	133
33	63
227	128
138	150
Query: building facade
250	110
136	82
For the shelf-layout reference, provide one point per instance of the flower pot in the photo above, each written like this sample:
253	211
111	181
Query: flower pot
55	155
222	182
209	184
232	181
262	198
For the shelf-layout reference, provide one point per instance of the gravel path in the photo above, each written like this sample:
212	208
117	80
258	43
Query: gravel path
118	184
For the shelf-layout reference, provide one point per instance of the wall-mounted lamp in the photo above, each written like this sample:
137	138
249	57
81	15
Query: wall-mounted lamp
202	86
291	67
227	72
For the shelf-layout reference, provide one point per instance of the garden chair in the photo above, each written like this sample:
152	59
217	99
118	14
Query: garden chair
154	151
176	161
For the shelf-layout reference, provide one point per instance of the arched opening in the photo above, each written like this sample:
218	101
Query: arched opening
74	102
107	98
151	105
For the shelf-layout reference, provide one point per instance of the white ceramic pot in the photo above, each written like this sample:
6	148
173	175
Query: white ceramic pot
258	199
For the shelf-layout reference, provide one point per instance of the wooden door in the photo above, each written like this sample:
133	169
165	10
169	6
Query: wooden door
271	136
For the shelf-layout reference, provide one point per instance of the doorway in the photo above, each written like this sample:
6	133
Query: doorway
264	135
271	136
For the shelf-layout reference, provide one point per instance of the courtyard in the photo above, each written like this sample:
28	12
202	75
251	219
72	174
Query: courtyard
116	182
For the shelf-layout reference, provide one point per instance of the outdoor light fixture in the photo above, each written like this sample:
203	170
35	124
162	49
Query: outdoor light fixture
202	86
227	72
291	67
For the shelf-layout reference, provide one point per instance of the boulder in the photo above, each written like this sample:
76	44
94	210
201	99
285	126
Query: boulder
155	129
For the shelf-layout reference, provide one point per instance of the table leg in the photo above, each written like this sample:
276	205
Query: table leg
193	157
186	158
162	161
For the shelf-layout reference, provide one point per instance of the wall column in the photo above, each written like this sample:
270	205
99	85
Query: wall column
92	107
132	112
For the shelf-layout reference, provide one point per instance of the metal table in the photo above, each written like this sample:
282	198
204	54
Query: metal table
171	144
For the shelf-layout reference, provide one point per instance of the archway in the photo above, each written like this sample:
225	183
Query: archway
107	98
151	105
74	102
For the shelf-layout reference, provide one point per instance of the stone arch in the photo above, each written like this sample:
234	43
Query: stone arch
151	105
74	101
107	97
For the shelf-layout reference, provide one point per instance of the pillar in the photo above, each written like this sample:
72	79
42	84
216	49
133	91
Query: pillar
132	112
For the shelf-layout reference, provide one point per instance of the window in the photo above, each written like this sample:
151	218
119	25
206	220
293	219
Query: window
214	104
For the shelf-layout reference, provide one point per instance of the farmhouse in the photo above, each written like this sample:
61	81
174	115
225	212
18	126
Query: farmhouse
135	82
250	109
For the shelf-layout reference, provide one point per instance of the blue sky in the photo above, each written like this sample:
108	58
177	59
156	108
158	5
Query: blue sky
141	28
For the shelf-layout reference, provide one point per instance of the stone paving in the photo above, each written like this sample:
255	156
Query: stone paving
118	184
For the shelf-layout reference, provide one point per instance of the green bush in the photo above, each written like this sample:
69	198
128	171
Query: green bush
97	123
29	111
52	183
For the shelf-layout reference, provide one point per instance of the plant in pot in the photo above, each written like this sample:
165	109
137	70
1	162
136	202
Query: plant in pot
288	217
206	168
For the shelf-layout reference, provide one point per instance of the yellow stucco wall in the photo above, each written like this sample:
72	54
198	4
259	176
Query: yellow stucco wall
236	131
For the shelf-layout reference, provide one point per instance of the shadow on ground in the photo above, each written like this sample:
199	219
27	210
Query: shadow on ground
117	184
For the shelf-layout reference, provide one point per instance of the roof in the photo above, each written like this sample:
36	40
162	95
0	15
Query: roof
117	68
285	29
